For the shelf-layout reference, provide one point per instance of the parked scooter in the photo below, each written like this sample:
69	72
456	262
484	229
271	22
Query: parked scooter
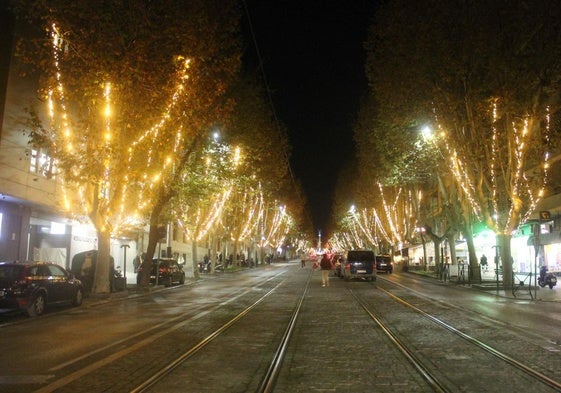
118	283
117	272
546	278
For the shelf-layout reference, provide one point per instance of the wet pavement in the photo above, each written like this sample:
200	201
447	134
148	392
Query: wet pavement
524	286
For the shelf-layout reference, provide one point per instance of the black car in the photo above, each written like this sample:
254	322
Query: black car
170	272
384	263
359	264
31	286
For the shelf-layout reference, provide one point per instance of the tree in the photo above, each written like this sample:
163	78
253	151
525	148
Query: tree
129	88
485	74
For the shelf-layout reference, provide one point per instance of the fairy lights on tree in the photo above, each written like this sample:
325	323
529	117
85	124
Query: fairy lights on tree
250	208
506	176
100	178
502	174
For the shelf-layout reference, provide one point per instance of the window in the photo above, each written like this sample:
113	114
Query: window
56	271
58	228
42	164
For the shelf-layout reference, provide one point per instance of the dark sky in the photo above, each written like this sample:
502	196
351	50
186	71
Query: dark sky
313	58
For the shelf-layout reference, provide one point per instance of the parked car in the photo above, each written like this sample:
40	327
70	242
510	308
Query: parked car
359	264
170	272
31	286
384	263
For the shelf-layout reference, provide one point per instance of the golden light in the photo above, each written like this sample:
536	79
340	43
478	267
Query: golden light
237	156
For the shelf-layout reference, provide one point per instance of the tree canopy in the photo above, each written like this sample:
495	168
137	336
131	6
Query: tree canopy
484	77
129	88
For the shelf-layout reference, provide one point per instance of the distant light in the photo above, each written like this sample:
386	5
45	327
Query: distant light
427	133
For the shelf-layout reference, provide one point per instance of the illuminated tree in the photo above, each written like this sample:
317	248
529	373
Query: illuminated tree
485	75
244	165
241	219
129	90
264	169
205	189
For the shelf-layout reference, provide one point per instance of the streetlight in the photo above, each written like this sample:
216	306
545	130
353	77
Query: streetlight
124	247
497	260
426	132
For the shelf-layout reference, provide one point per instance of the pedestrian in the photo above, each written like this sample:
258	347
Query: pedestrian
136	263
483	262
325	265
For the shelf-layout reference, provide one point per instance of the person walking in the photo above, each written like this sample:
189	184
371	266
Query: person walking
483	262
325	265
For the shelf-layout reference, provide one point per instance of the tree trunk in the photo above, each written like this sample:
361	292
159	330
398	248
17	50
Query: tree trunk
195	263
503	242
438	262
425	259
474	269
450	237
103	268
153	238
236	253
214	253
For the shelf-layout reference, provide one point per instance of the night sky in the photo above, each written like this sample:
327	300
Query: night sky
313	58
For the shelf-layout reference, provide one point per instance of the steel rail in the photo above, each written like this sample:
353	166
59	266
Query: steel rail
268	383
504	357
269	379
433	382
196	348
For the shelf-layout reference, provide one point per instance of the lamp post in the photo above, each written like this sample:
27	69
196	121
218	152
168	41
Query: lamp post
537	230
497	258
124	247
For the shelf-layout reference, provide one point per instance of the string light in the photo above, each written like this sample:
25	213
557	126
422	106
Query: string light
81	194
522	193
114	205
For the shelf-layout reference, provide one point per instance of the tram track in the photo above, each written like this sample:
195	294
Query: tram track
267	382
424	367
263	338
429	370
192	351
86	365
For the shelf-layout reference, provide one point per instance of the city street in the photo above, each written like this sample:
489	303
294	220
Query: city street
220	334
156	143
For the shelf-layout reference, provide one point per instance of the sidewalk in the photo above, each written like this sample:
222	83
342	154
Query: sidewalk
134	291
523	288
